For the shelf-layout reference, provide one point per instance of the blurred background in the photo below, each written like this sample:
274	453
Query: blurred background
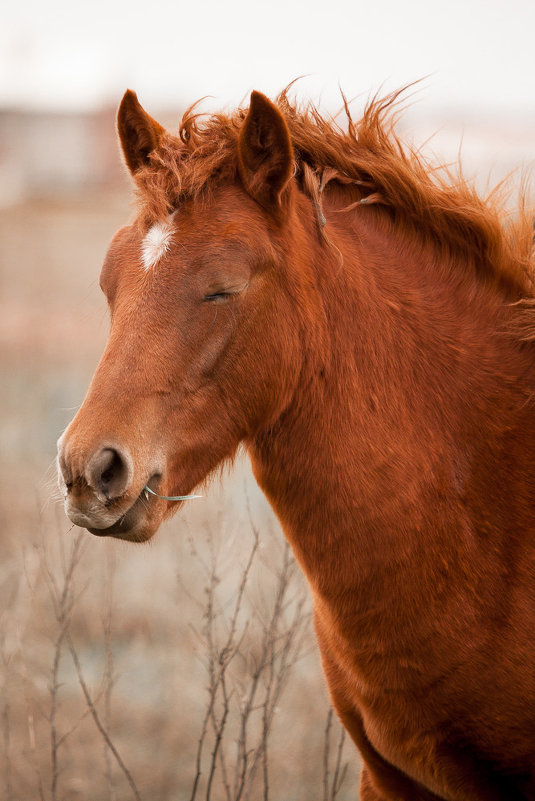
116	678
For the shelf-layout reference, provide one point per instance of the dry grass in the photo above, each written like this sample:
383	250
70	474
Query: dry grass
187	669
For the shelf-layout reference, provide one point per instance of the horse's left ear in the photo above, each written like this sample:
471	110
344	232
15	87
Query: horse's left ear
138	132
265	156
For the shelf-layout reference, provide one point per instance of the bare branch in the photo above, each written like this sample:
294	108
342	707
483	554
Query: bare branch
108	670
332	788
339	775
326	747
97	720
7	754
63	601
219	736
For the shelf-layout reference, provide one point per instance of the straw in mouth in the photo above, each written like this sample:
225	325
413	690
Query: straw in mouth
147	489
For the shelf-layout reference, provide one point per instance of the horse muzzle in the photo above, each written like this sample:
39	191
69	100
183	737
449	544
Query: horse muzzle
100	492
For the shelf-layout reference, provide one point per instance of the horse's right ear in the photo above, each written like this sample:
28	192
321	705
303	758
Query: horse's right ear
139	134
265	156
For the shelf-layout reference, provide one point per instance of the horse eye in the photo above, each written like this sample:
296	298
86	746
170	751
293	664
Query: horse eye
217	296
226	294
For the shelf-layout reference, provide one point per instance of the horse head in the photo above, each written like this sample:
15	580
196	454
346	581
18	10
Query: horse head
204	345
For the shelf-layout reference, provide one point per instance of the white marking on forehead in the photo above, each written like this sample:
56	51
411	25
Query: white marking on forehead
156	242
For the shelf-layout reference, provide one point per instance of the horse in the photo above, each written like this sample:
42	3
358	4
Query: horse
363	324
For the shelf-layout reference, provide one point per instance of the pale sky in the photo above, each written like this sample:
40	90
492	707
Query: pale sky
63	54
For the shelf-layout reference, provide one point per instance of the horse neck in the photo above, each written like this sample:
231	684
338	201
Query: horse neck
385	434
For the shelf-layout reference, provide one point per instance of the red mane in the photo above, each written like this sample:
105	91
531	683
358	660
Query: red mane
369	163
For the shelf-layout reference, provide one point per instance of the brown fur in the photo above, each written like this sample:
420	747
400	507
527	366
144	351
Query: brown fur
364	325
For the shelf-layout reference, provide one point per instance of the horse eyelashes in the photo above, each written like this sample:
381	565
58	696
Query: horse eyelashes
218	296
214	297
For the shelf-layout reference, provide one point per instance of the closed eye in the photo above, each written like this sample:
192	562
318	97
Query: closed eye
218	296
224	294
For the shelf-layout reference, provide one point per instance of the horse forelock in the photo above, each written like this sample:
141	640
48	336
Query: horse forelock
431	202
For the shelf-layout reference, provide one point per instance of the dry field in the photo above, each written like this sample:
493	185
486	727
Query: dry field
181	669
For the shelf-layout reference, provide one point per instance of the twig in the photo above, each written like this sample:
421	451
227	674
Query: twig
339	776
7	755
212	684
97	720
31	734
331	789
278	661
281	641
218	662
326	748
219	736
108	671
63	602
67	734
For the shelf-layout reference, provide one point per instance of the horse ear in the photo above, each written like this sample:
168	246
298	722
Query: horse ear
265	156
138	132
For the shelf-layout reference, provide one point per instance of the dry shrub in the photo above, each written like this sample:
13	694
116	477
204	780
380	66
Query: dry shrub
185	669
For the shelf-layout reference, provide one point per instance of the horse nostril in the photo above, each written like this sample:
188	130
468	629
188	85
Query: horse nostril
109	472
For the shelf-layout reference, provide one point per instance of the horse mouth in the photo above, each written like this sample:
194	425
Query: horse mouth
135	525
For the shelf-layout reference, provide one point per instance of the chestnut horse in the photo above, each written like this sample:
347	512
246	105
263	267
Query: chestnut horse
364	326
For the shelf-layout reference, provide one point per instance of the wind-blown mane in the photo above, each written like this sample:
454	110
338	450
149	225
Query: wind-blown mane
368	161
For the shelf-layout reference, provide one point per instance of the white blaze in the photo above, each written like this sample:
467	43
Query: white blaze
156	243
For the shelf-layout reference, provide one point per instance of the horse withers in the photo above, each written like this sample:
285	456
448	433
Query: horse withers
364	327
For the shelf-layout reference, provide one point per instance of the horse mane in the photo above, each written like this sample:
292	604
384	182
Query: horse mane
434	202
